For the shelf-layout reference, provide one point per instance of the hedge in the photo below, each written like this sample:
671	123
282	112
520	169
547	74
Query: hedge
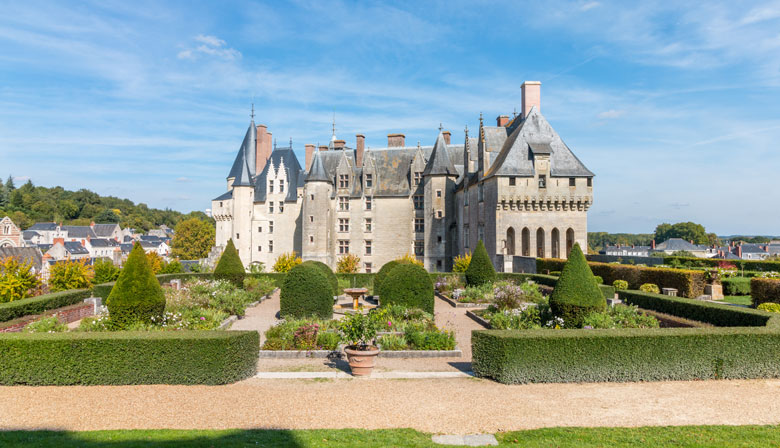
652	354
158	357
325	269
720	315
748	265
408	285
306	292
764	290
384	271
736	286
40	304
689	283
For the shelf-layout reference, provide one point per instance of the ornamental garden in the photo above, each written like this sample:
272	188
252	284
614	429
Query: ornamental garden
579	321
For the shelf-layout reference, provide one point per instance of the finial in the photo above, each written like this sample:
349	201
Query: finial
514	112
467	131
440	127
253	111
290	142
334	122
274	142
480	119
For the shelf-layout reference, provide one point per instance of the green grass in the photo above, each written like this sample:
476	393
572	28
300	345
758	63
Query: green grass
682	436
738	300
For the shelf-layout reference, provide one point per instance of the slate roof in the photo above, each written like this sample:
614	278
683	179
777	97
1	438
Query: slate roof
317	172
25	254
295	175
45	226
224	196
516	155
103	242
79	232
675	244
104	230
75	248
439	162
126	247
151	244
44	247
29	234
243	169
752	248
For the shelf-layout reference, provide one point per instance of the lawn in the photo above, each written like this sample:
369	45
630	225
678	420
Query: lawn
738	300
682	436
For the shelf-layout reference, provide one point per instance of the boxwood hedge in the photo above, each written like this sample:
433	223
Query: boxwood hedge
707	312
736	286
764	290
37	305
325	269
652	354
409	285
159	357
306	292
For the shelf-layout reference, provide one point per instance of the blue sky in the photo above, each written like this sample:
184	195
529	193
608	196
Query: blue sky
675	106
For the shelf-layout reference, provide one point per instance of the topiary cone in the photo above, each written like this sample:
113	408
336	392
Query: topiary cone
230	267
480	270
576	293
137	295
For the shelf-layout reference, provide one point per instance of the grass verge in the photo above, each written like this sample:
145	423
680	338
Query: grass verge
738	300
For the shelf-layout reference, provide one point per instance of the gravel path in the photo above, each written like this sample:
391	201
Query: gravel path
455	406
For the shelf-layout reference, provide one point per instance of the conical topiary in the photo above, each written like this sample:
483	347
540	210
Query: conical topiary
137	295
480	270
576	293
230	267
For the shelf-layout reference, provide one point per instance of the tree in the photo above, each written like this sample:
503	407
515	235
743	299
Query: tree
348	264
155	262
230	267
576	293
286	261
137	295
172	267
461	263
192	239
107	216
69	209
9	184
480	270
688	231
105	271
17	279
70	274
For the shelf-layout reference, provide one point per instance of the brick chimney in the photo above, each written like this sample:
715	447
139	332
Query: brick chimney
339	144
739	251
396	140
447	136
652	244
309	155
360	147
323	147
262	148
58	240
532	96
502	120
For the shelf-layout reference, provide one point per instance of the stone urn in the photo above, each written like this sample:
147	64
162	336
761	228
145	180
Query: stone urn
361	361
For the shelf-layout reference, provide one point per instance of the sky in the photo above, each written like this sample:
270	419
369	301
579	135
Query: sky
674	105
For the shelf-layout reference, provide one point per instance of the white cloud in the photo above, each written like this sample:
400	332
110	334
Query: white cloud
183	179
589	6
612	113
211	46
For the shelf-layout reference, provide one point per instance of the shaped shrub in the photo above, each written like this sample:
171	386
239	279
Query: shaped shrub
230	267
306	292
379	279
325	269
137	295
576	293
480	270
736	286
620	285
408	285
764	290
649	287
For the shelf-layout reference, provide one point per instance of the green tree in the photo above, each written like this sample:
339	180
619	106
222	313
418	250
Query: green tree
137	295
107	216
192	239
9	184
576	293
688	231
105	271
69	209
70	274
480	270
230	267
16	279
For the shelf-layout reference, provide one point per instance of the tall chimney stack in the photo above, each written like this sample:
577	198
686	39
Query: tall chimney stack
309	155
360	147
262	148
532	96
502	120
323	147
447	136
396	140
339	144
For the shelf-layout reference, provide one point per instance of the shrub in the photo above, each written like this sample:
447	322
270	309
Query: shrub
328	340
258	286
47	324
461	262
480	268
620	316
172	267
230	267
576	294
105	271
652	354
40	304
70	274
257	267
306	292
736	286
16	279
620	285
348	264
286	261
392	342
430	340
137	295
599	280
155	262
328	272
764	290
411	259
379	279
169	357
649	287
408	285
770	307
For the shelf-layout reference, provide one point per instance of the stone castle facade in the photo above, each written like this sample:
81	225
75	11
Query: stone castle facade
516	186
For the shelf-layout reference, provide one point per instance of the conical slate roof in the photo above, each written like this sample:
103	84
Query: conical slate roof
317	171
246	158
439	163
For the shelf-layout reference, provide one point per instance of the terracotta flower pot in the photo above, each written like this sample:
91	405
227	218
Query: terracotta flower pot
361	361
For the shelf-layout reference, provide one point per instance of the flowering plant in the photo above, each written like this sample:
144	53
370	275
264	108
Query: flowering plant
357	329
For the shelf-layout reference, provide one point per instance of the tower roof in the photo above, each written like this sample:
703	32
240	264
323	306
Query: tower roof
317	171
439	163
243	169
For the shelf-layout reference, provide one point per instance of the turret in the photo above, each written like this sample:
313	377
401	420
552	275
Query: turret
317	217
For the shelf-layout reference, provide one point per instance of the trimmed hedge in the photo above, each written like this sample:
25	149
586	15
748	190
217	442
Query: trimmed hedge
736	286
325	269
306	292
480	270
748	265
651	354
764	290
40	304
157	357
576	292
720	315
136	295
689	283
409	285
379	279
230	267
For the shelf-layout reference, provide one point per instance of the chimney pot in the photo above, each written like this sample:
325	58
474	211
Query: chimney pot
396	140
502	120
309	155
339	144
531	96
360	147
447	137
323	147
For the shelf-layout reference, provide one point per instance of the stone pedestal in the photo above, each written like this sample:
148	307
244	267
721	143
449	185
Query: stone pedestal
714	291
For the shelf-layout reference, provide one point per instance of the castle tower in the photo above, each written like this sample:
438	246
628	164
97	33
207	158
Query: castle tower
317	216
439	184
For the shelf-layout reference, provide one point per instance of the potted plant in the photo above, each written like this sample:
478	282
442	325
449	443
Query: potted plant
358	331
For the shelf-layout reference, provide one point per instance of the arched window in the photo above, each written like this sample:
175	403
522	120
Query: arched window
526	242
555	243
510	241
540	243
569	241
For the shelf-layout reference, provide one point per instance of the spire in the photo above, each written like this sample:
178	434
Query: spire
440	163
332	143
317	172
252	115
246	157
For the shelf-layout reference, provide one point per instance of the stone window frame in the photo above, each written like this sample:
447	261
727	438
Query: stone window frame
368	225
270	207
270	185
369	180
343	247
419	202
343	180
343	204
281	185
572	181
368	247
270	246
419	247
369	203
419	225
367	267
417	180
281	206
343	225
270	227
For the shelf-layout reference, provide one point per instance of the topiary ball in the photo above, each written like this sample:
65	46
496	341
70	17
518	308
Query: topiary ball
480	270
230	267
306	292
325	269
576	293
408	285
136	296
380	276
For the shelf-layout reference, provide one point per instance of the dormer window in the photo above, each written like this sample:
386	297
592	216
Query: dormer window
271	186
369	180
417	178
281	185
590	181
542	181
343	180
